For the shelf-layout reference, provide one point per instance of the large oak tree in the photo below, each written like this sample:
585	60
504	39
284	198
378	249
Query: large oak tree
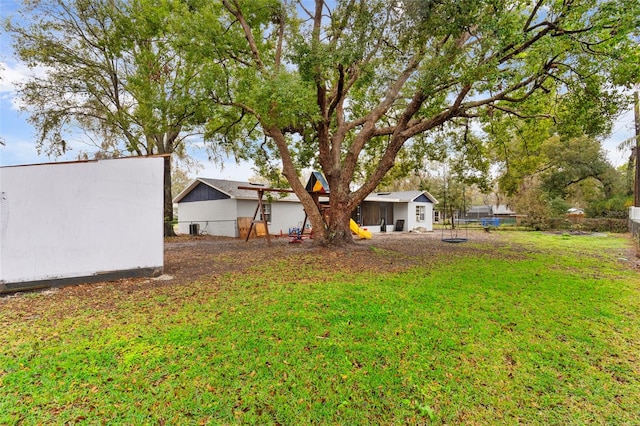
348	86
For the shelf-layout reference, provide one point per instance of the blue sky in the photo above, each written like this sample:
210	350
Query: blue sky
19	136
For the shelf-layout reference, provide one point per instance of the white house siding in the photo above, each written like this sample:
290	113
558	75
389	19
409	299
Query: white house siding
400	212
219	217
284	214
412	223
247	208
215	217
429	216
73	220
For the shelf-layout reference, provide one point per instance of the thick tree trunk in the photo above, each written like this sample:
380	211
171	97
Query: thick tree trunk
330	228
334	228
168	199
338	231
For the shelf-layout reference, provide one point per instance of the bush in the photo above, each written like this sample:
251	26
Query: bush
615	207
560	223
605	225
587	225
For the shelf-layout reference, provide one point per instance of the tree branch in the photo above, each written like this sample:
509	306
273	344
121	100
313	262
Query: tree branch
237	12
532	15
518	114
281	25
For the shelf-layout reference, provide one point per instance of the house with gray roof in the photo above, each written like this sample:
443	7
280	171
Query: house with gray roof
216	207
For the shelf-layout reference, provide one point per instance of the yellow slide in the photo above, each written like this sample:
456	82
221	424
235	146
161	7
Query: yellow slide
362	233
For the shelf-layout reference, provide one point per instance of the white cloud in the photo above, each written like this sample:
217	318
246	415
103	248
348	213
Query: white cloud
230	170
12	74
19	151
20	142
623	129
225	168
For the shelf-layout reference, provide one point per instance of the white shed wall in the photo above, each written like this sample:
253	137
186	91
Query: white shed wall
80	219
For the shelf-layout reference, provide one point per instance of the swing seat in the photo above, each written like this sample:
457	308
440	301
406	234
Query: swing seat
454	240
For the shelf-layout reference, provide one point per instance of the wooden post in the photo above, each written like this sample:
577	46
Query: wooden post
259	208
264	217
253	219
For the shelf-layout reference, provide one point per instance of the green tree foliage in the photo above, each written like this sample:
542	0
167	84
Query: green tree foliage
572	161
572	172
534	205
109	67
612	207
351	86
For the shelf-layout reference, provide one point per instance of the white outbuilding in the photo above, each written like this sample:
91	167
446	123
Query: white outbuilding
78	222
397	211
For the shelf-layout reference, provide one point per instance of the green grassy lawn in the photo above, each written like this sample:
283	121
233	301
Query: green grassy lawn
541	329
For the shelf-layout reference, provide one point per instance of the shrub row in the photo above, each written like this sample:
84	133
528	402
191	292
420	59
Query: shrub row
588	225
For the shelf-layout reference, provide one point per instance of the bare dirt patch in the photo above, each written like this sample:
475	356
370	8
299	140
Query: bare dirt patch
209	260
190	258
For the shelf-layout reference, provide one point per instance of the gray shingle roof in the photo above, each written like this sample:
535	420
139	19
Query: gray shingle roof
230	188
399	197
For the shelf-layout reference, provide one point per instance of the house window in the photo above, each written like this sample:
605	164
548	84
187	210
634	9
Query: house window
436	216
420	213
267	213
